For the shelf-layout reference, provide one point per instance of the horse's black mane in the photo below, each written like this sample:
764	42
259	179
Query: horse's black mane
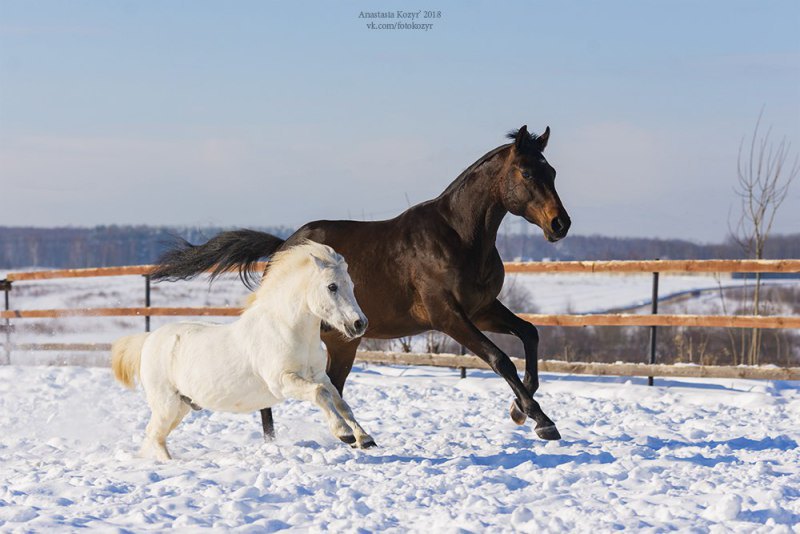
530	141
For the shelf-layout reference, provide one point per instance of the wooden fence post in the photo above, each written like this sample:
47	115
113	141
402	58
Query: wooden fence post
463	369
5	285
147	301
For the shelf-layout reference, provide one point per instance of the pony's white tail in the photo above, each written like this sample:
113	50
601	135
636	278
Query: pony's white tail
126	356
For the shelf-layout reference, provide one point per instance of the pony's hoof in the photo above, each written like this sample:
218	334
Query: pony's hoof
549	433
517	415
349	439
368	443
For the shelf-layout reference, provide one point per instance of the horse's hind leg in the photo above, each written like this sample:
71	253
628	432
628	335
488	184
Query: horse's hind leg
164	418
267	424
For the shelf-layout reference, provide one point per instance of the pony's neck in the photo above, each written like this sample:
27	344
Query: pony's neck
282	309
472	203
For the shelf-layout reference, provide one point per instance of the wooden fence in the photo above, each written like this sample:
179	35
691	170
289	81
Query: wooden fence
652	320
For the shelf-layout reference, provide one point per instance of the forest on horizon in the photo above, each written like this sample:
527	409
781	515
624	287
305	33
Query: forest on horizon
105	246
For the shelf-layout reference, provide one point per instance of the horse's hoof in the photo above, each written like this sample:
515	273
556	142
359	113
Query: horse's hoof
349	439
368	443
549	433
517	415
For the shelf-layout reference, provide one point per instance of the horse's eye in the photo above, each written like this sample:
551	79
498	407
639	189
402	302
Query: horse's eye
332	288
526	174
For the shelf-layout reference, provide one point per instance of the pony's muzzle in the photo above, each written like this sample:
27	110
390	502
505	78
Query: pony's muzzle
358	327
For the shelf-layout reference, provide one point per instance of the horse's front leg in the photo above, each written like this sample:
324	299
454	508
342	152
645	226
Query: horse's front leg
297	387
500	320
341	355
451	319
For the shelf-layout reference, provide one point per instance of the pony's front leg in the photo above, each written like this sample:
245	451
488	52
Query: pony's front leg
297	387
363	439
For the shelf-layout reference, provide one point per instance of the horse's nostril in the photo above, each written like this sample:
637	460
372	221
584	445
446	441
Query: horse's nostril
358	325
556	225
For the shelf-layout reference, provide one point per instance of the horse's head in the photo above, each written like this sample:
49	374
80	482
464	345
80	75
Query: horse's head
330	294
528	188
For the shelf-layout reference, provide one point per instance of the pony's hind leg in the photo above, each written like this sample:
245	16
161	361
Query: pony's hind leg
182	411
164	418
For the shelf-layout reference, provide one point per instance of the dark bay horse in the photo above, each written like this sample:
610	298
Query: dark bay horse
433	267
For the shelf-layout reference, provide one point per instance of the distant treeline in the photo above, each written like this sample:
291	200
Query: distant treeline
595	247
102	246
106	246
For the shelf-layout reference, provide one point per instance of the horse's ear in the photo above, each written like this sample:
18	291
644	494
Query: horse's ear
522	137
542	139
319	262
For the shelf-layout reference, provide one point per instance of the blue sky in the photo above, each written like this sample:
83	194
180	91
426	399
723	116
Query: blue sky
261	113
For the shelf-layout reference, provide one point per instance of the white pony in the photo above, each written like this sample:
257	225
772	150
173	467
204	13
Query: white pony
270	353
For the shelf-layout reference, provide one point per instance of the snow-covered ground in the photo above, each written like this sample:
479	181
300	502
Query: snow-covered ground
601	292
697	456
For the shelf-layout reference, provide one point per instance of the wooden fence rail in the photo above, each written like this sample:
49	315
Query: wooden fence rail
649	266
457	361
657	266
569	320
198	311
615	369
471	362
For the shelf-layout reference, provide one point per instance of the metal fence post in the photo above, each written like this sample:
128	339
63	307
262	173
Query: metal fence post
147	301
653	329
6	286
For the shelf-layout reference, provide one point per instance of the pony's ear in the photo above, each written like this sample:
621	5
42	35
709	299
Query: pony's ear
319	262
542	139
522	137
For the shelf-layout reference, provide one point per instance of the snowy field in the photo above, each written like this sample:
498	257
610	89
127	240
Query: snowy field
699	456
602	292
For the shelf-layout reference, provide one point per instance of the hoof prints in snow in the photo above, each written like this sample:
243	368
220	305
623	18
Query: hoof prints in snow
689	457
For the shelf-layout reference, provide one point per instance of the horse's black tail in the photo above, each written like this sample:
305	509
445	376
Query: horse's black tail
238	250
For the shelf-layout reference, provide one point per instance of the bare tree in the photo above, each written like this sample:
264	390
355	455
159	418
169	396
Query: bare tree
764	177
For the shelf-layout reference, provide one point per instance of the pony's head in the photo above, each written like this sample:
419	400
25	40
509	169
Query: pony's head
527	186
330	291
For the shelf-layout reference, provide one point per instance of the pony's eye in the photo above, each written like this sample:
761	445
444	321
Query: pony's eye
526	174
333	288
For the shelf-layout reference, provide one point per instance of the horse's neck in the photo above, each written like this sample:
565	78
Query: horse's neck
472	203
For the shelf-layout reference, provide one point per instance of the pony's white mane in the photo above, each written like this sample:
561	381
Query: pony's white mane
287	262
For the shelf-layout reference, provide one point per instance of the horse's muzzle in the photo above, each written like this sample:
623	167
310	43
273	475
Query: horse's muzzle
559	227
